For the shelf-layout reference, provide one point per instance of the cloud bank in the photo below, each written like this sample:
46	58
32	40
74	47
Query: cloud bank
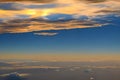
33	24
21	17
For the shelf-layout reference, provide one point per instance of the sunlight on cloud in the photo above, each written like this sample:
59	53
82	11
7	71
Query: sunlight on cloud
20	17
31	12
33	24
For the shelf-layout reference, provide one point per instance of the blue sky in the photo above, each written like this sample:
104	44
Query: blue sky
26	31
103	39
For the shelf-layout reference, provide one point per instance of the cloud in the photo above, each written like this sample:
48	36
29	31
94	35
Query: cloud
22	6
45	34
40	1
3	64
62	17
14	76
21	17
11	6
43	6
93	1
41	24
72	7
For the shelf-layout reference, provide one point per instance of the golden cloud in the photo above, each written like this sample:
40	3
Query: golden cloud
30	25
32	16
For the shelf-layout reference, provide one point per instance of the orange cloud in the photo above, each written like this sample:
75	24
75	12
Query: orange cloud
33	24
32	16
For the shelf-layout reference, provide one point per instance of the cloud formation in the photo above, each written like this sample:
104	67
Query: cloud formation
21	17
40	24
40	1
11	6
14	76
45	34
22	6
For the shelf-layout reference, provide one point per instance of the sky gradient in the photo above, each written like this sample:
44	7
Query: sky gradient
70	30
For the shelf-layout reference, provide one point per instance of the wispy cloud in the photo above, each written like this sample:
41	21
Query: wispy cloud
22	6
40	1
45	34
33	24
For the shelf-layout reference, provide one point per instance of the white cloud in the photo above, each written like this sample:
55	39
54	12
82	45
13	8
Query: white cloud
15	74
45	34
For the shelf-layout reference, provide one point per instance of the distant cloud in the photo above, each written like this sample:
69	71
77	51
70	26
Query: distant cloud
14	76
15	73
45	34
3	64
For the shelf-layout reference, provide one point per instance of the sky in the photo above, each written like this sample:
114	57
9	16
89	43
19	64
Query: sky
49	28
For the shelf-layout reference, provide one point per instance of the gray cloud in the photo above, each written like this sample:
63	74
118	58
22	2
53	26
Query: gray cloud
109	11
21	6
3	64
11	6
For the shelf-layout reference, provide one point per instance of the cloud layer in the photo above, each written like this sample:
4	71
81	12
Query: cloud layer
33	24
21	17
